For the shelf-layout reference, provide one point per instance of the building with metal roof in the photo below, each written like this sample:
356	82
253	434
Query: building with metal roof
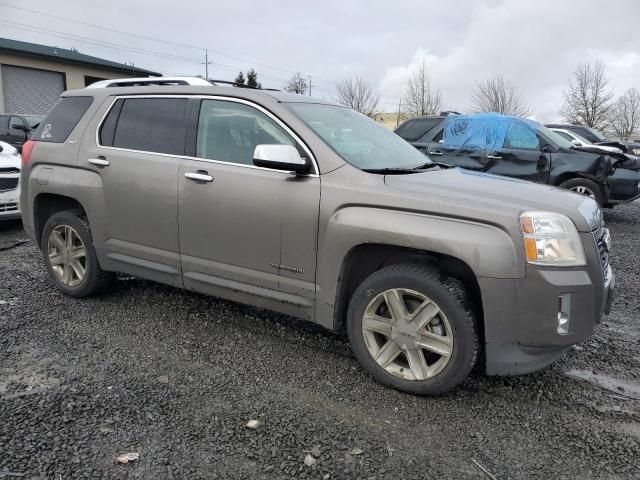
32	76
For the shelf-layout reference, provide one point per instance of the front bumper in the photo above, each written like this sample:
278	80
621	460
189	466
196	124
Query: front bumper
10	204
522	316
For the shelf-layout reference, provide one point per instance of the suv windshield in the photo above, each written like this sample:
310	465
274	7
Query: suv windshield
356	138
596	133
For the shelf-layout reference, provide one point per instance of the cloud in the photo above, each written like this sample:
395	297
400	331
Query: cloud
535	45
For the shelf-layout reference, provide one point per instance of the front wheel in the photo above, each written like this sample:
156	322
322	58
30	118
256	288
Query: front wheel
586	187
413	329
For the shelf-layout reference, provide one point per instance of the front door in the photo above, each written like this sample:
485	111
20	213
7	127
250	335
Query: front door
247	233
520	156
471	157
140	146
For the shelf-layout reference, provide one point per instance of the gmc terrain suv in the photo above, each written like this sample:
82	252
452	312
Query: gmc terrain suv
310	209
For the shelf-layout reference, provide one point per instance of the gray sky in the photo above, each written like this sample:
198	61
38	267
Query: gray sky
535	43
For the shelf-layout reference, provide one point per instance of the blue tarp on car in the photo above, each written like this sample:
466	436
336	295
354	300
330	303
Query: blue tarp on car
489	131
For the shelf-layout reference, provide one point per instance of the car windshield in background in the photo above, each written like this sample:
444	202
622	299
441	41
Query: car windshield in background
597	134
33	120
357	139
555	137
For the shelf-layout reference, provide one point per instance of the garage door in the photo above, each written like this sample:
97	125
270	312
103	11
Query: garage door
29	90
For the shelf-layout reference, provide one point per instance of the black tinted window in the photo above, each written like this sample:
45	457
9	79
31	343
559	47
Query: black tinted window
152	125
412	130
61	121
108	129
4	122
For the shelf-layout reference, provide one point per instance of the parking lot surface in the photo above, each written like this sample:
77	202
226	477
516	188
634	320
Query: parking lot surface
176	376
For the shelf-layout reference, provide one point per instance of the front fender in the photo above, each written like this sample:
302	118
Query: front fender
486	249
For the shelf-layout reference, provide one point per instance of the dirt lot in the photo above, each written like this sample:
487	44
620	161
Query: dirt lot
176	376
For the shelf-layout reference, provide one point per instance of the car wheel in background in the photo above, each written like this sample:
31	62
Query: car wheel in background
586	187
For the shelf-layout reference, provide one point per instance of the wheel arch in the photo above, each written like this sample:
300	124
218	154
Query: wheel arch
365	259
47	204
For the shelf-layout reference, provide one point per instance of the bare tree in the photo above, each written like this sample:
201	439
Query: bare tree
420	98
624	115
357	94
588	99
498	95
296	84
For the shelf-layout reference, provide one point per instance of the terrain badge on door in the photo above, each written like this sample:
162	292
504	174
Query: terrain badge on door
289	269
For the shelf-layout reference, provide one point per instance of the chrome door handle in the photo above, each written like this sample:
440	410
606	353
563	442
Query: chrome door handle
100	162
198	177
436	153
494	157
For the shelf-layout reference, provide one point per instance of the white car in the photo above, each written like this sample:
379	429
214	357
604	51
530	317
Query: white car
580	141
10	163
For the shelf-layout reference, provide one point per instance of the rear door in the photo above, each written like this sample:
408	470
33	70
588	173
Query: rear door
247	233
139	147
469	158
520	156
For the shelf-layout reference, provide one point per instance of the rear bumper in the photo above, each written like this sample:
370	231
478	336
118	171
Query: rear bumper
522	316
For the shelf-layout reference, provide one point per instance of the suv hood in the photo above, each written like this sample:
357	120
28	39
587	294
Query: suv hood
489	197
9	156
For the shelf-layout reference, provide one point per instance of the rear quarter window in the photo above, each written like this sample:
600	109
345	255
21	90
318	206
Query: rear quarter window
413	130
61	121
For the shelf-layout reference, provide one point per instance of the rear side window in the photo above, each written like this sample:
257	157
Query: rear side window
412	130
147	124
61	121
4	122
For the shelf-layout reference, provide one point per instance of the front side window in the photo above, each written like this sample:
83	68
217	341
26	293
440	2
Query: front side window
413	130
520	136
230	132
155	125
16	123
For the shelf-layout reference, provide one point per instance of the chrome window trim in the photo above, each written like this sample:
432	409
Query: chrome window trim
222	162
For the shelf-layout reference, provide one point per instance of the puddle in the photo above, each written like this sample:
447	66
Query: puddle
615	385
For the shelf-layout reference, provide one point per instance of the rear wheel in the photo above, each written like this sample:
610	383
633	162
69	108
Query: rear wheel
586	187
413	329
70	257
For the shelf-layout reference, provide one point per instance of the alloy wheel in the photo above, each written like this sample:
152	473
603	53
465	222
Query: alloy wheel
67	255
582	190
407	334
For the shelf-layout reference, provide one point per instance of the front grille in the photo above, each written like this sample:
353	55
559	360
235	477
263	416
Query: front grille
8	207
602	238
10	183
9	170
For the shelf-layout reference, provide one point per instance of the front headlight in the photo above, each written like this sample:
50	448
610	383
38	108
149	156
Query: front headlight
551	239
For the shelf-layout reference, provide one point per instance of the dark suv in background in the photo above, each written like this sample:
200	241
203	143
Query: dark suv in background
16	129
594	136
526	150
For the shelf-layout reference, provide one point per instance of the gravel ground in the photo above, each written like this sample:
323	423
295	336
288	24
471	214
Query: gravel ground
176	376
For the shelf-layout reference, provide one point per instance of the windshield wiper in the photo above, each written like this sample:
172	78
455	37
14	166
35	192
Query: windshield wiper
428	166
391	170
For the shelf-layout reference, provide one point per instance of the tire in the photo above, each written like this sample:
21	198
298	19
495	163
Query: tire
584	186
60	258
457	329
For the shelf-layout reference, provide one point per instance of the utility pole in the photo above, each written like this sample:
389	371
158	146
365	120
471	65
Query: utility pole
398	117
309	85
206	63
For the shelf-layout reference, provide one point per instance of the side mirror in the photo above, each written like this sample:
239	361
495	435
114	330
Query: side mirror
576	143
280	157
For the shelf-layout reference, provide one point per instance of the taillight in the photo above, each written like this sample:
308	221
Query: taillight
27	148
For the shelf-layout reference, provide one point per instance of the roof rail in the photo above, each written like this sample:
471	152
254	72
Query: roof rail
241	85
141	82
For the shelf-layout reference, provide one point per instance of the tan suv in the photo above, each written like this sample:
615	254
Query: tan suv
310	209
